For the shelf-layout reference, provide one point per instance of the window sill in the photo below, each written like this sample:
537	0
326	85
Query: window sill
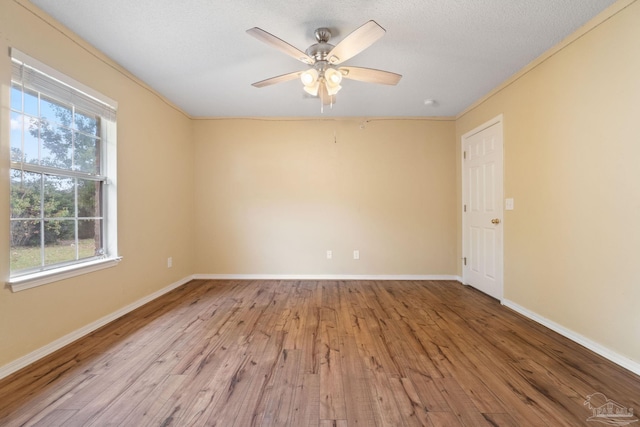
29	281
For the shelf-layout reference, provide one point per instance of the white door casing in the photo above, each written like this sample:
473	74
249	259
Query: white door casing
482	216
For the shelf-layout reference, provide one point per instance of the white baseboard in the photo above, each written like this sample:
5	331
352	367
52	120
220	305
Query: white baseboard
325	277
35	355
573	336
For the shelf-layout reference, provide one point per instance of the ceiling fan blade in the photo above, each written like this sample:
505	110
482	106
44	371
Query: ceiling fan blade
356	42
277	79
370	75
280	44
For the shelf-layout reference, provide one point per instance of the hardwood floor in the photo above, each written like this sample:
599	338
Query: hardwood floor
306	353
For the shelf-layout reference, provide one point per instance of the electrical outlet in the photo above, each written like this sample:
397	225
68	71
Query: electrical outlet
169	262
356	254
329	254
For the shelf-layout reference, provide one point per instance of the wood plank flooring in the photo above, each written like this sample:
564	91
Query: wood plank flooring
317	353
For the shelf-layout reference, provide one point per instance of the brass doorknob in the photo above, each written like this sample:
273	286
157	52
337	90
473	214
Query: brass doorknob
495	221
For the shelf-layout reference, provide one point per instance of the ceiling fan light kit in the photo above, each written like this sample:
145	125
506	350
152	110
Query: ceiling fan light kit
321	75
323	78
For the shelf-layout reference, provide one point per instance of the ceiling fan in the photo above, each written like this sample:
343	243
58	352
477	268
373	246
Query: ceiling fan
323	77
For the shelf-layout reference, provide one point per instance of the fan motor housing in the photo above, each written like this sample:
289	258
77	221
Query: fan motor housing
320	50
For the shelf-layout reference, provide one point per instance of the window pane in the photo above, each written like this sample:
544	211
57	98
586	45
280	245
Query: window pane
54	111
31	102
86	123
16	98
25	244
59	197
89	238
89	197
59	241
31	132
16	136
56	145
25	194
86	153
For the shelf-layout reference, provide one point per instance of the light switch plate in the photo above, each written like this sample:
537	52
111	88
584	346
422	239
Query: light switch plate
508	204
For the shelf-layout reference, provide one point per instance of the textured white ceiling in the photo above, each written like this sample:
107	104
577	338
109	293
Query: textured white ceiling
197	54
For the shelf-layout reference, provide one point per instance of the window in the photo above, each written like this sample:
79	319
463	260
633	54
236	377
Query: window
63	139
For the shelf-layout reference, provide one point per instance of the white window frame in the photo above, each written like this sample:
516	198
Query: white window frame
109	169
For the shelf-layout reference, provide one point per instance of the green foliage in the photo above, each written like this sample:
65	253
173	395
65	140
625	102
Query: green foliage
25	203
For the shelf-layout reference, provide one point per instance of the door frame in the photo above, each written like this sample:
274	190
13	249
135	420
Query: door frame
498	120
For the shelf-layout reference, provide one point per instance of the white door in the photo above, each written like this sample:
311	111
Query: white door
482	208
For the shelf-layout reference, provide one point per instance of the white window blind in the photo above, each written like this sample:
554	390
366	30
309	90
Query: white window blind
33	74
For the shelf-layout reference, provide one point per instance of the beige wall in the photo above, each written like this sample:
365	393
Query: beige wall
274	195
155	198
572	164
